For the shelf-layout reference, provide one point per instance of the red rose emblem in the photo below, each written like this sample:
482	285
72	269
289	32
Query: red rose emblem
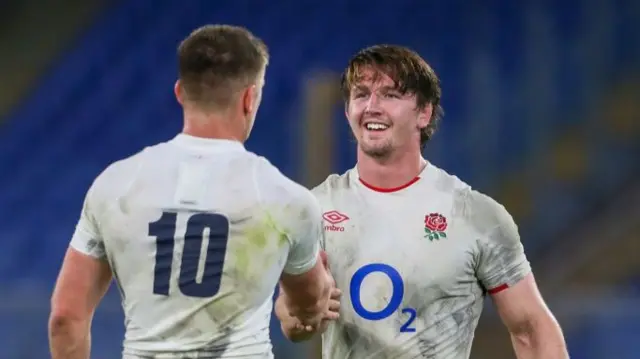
435	222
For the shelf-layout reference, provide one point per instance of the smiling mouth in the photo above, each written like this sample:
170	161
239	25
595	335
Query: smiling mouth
375	126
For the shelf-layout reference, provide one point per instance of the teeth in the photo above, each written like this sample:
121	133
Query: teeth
376	126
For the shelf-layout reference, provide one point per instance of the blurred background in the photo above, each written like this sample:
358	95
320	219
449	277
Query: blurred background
542	103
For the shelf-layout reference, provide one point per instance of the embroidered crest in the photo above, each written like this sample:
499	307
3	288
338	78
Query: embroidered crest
435	226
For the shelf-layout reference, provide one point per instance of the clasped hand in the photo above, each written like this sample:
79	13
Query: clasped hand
299	326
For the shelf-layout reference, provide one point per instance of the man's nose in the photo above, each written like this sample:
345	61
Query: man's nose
373	104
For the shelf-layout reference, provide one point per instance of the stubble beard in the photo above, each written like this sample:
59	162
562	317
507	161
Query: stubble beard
378	151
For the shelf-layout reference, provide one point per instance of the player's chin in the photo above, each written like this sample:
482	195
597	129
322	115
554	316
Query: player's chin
376	148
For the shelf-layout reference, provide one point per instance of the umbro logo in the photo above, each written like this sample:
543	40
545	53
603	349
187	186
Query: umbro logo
334	217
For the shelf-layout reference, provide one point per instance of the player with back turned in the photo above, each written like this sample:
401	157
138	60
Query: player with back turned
414	249
196	231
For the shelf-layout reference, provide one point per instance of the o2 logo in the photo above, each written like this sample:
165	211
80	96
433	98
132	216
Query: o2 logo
396	297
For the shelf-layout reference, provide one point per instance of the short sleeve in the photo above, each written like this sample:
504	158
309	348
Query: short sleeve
502	262
318	193
305	235
86	238
296	212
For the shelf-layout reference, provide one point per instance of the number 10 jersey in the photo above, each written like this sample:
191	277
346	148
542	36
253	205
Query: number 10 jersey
197	233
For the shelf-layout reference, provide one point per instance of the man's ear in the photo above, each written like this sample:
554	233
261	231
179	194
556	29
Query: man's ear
425	115
249	99
177	91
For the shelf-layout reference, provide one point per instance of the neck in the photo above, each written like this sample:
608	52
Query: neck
210	125
395	171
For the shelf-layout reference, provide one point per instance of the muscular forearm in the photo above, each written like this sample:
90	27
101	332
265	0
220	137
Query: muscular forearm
69	339
539	341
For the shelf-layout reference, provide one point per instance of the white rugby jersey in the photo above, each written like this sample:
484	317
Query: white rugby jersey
414	264
197	233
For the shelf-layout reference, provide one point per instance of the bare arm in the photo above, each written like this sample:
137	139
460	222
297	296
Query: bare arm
503	268
292	328
306	295
82	282
305	280
534	331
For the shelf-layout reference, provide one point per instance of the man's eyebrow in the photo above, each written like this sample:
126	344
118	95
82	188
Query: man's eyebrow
360	87
389	88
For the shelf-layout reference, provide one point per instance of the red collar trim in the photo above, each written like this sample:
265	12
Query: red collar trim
389	190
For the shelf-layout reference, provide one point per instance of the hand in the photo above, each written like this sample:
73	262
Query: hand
324	259
314	319
307	316
333	312
333	309
293	327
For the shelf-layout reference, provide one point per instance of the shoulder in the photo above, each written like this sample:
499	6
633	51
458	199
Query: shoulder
445	183
117	174
488	218
479	211
333	183
274	186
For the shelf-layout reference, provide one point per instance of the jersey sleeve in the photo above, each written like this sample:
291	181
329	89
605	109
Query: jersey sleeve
502	262
319	193
86	238
305	235
297	213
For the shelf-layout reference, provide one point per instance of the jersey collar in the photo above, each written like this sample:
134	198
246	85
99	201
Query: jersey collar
425	174
207	143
